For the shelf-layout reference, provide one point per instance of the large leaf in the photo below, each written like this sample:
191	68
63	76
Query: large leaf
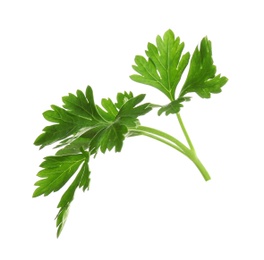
82	124
57	171
82	180
201	77
165	64
79	112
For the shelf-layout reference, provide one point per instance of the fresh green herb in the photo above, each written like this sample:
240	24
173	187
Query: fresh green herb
81	128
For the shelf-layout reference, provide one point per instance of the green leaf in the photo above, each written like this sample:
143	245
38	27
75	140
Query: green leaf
131	110
201	77
79	112
110	135
56	172
111	110
73	145
64	127
165	64
107	137
82	180
82	124
122	98
173	107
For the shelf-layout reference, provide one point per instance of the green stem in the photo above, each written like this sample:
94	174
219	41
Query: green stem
174	143
185	132
160	136
163	135
194	158
201	167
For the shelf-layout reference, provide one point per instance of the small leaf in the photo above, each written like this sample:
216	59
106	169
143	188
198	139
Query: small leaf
173	107
122	98
74	145
110	107
130	108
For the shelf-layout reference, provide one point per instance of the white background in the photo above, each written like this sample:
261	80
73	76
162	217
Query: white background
148	202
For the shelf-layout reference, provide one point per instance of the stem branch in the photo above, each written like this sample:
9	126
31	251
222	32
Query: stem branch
174	143
185	132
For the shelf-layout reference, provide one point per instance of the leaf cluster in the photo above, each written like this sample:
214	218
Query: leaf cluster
81	128
165	65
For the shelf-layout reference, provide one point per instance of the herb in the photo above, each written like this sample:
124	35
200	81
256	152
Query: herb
81	128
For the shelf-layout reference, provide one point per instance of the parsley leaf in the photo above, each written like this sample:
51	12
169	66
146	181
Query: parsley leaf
174	106
56	172
165	64
82	181
79	112
82	125
201	77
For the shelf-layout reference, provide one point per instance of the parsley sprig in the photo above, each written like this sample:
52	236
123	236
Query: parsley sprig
80	128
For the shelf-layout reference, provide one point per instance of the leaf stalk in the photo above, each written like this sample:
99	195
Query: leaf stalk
175	144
